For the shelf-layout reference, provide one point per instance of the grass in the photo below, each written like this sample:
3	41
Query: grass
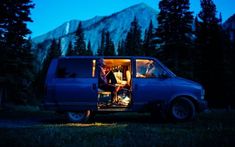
214	128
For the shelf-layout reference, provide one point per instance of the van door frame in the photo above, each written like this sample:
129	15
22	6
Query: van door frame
131	68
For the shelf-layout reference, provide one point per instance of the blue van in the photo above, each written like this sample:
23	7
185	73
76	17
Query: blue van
133	84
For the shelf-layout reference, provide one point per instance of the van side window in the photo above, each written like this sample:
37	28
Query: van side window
75	68
147	69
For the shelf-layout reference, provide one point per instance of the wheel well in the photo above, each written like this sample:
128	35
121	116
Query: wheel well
195	103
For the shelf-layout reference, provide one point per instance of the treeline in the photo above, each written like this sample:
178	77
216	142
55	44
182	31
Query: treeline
17	71
204	52
194	47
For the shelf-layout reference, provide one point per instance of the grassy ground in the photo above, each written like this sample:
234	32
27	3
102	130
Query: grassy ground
214	128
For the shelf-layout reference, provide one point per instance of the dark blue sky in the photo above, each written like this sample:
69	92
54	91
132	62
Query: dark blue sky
49	14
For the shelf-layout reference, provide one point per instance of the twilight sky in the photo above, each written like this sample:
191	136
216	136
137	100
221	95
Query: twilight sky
49	14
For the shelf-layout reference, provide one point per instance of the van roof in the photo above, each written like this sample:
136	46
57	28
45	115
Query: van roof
105	57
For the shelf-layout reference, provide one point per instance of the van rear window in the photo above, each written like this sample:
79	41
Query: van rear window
75	68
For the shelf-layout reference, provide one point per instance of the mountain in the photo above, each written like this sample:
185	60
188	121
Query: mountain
118	24
229	26
230	23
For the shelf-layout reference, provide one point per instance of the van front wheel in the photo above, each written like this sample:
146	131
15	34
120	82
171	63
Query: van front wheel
182	109
79	117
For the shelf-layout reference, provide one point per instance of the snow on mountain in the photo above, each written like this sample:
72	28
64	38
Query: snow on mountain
118	24
229	26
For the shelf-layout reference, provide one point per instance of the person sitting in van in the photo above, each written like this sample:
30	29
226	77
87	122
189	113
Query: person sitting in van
107	80
124	83
140	71
127	83
150	72
128	78
145	69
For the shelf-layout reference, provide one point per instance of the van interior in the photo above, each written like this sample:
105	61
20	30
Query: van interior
120	96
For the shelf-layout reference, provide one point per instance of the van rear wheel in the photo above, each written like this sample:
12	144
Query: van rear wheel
79	117
182	109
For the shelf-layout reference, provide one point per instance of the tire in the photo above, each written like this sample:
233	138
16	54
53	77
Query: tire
79	117
182	109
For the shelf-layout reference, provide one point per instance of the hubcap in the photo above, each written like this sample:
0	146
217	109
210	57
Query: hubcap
76	116
180	111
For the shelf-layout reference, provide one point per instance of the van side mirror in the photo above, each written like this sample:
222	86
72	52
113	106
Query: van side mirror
163	75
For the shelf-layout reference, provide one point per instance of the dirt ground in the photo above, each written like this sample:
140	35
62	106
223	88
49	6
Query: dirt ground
28	116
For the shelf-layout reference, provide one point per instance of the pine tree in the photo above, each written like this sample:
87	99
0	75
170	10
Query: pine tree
100	51
80	45
54	50
59	47
175	33
121	48
27	71
133	40
70	50
112	49
109	49
149	44
16	57
89	51
209	64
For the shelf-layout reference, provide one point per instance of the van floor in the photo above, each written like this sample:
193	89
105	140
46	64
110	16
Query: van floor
110	105
114	109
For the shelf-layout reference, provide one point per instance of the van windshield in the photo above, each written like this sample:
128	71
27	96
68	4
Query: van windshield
166	69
